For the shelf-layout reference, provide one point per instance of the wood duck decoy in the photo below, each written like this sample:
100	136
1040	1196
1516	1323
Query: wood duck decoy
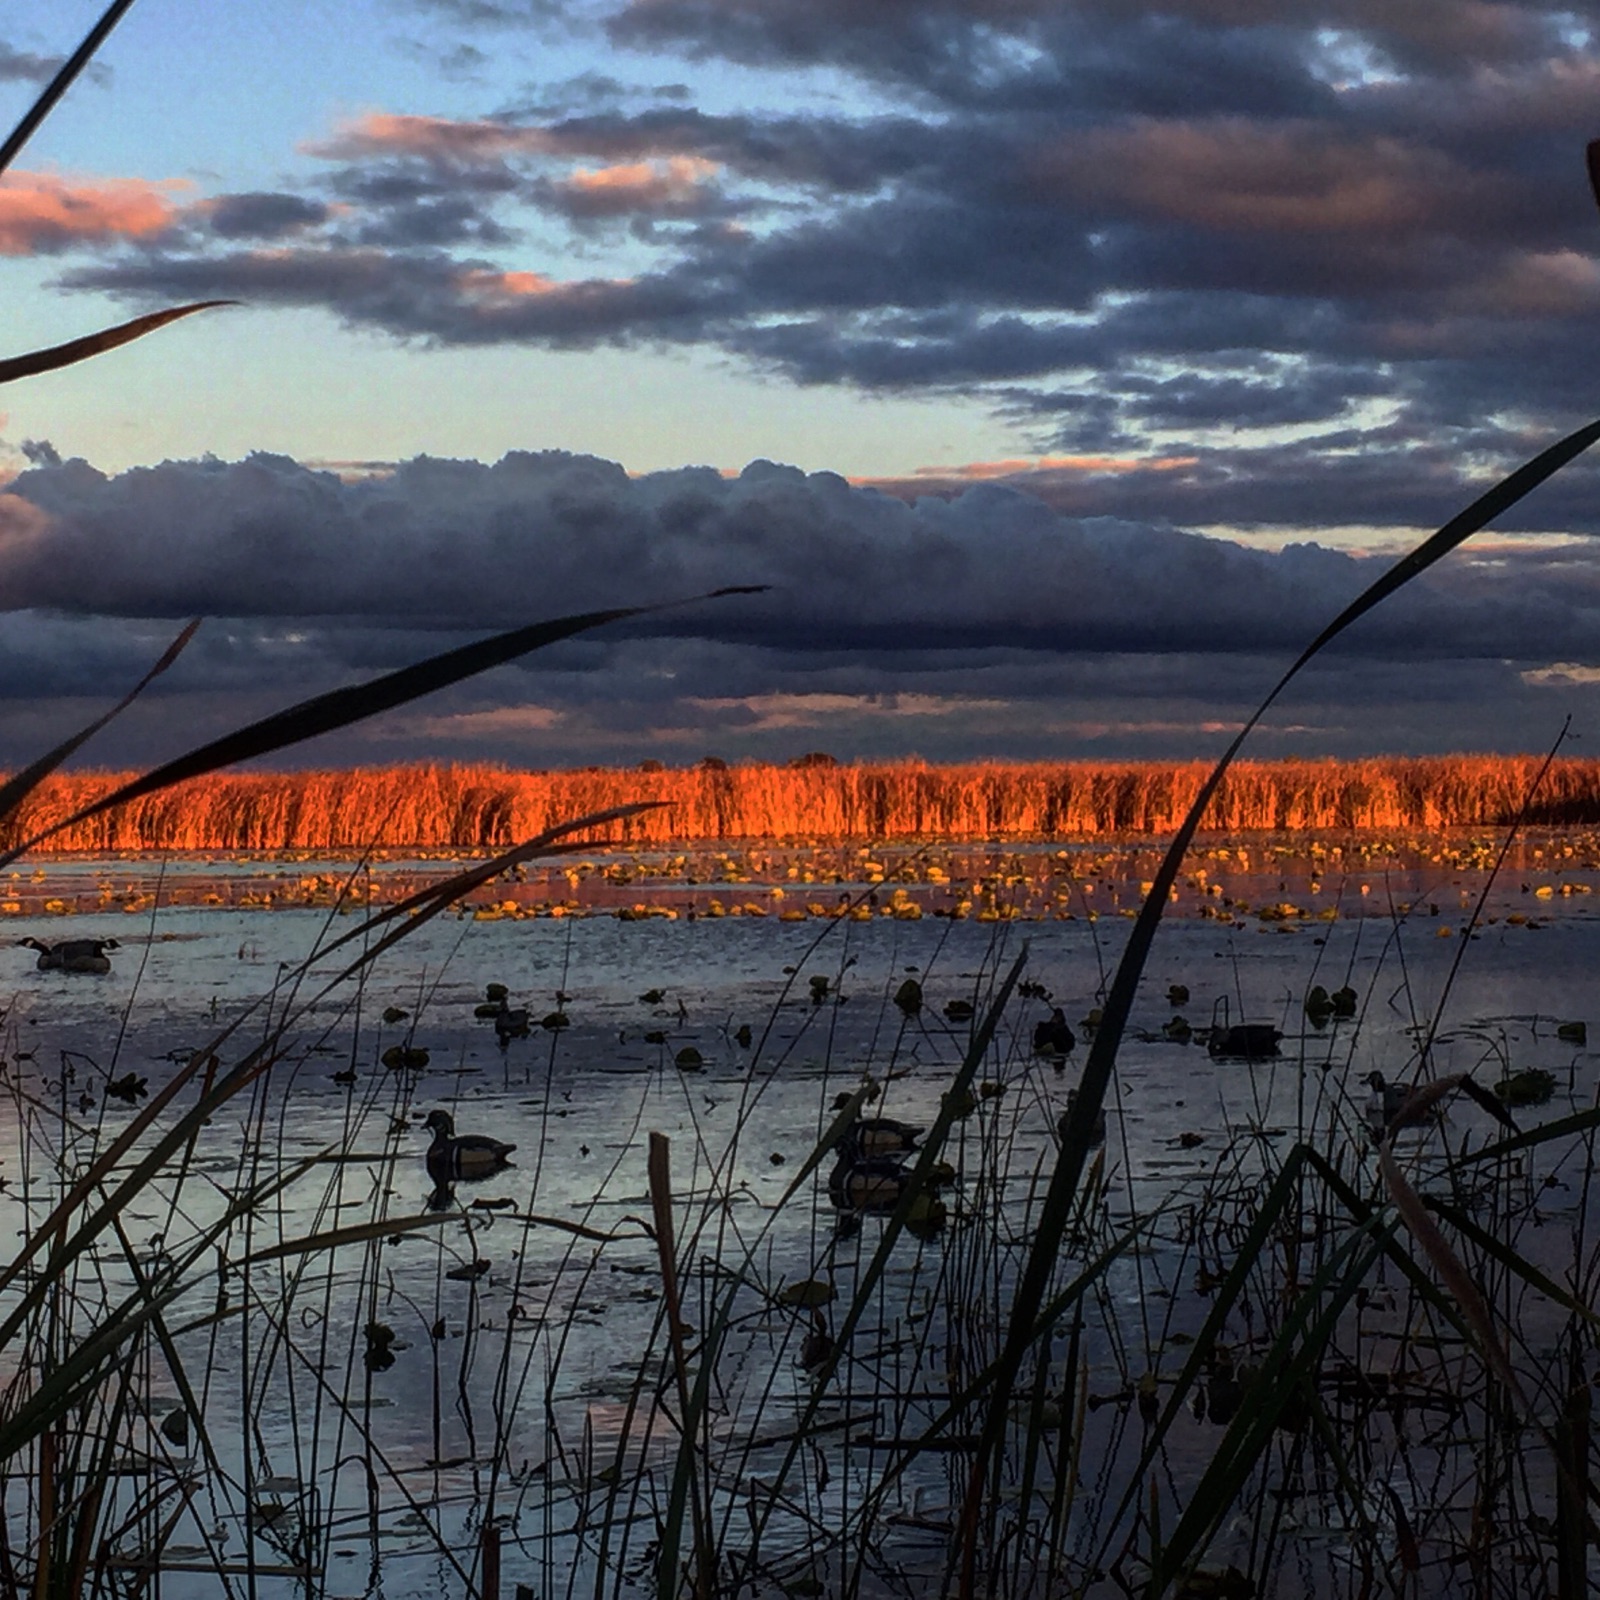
870	1184
468	1155
880	1136
73	955
1053	1037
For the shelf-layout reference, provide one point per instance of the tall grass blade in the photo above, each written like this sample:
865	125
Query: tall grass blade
1286	1368
17	788
63	80
1555	1131
1457	1280
429	902
1514	1261
1119	1000
93	344
340	708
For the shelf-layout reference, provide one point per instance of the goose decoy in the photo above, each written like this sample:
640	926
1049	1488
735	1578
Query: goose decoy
1245	1041
509	1024
880	1136
468	1155
73	955
1053	1037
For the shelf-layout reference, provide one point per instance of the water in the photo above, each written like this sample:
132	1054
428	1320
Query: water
530	1362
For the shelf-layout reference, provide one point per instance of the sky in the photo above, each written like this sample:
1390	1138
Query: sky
1061	366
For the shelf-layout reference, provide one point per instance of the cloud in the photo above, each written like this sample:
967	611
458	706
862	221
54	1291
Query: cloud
260	215
23	66
43	214
677	186
1343	256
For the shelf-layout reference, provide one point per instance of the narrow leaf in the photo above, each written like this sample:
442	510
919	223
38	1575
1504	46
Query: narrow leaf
326	713
335	1238
18	787
1449	1267
63	80
93	344
1125	982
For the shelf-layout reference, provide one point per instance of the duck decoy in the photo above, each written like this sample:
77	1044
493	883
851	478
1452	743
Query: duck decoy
880	1136
1097	1129
1245	1041
1241	1041
1385	1103
73	955
959	1011
870	1184
1053	1037
509	1024
467	1155
816	1349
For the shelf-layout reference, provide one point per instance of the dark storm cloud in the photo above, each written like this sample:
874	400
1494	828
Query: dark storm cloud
260	215
983	624
458	545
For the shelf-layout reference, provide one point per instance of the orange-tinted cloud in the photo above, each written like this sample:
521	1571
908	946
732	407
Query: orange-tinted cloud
779	710
1033	475
484	285
41	212
1248	177
660	185
385	133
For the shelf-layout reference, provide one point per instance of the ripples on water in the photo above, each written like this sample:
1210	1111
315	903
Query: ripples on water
529	1386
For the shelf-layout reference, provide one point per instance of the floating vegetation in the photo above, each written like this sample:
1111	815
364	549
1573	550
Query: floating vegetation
1532	1086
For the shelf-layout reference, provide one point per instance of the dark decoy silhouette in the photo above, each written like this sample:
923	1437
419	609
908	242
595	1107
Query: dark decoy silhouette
1385	1102
1242	1041
1097	1129
467	1155
880	1136
73	955
1053	1037
1245	1041
871	1184
509	1024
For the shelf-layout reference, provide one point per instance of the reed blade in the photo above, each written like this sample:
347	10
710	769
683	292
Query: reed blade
340	708
64	355
63	80
1124	985
17	788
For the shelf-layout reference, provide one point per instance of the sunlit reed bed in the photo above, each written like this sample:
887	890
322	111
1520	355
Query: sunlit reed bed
437	806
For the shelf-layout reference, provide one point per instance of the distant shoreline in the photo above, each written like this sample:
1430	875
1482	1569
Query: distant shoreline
457	807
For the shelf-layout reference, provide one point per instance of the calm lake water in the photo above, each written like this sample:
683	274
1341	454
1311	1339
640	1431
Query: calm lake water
526	1317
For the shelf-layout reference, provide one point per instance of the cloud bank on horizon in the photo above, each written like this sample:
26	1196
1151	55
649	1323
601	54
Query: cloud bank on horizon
984	625
1231	265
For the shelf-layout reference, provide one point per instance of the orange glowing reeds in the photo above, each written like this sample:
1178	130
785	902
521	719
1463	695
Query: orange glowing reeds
485	807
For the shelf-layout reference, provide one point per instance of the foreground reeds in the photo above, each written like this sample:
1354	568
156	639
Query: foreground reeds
466	807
